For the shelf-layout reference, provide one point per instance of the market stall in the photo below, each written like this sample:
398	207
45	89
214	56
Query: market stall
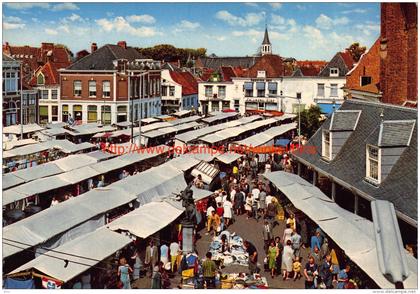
234	253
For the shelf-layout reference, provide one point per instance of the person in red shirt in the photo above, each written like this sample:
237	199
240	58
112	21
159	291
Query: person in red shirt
220	209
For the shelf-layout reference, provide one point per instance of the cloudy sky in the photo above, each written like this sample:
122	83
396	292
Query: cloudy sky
300	30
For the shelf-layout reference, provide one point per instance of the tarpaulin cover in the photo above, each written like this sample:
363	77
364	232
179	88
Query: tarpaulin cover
266	136
145	220
352	233
39	227
19	284
96	246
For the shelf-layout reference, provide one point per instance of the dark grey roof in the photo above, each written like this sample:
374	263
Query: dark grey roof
400	185
7	58
102	59
266	40
297	73
336	62
344	120
217	62
396	133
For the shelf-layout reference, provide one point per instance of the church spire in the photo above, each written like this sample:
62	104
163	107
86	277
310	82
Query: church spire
266	45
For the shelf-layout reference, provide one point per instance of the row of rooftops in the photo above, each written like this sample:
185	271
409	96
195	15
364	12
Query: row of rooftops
50	58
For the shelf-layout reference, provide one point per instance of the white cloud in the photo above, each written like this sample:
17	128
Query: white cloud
275	5
357	10
34	19
121	25
56	7
51	32
301	7
251	4
332	41
24	6
13	26
250	19
186	25
64	28
12	23
314	36
74	17
277	19
369	28
326	23
144	18
64	6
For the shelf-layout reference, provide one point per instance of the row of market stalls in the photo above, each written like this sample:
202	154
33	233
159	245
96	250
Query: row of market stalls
34	154
75	177
59	166
352	233
72	237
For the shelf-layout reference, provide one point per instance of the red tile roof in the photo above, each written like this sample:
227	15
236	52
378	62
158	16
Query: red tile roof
311	67
206	75
227	73
34	57
187	81
50	72
348	59
272	65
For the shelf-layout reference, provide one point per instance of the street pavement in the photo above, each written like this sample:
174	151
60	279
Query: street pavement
251	230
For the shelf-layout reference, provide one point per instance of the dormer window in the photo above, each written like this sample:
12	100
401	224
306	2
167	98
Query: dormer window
40	80
365	80
326	145
372	164
334	72
261	74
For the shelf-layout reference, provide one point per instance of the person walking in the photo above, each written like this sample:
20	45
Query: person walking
124	271
262	196
209	271
291	221
271	211
267	234
296	243
209	213
248	205
343	277
174	251
310	272
227	211
215	223
253	257
325	272
287	260
151	256
287	234
273	253
156	278
239	201
280	246
315	241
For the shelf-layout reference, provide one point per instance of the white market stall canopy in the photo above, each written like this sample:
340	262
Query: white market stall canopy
8	145
145	186
75	175
181	113
236	131
63	145
89	129
15	129
152	183
51	168
219	116
95	246
184	120
193	135
149	120
57	219
145	220
266	136
358	241
170	130
228	157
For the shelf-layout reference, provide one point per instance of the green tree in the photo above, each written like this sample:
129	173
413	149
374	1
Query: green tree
169	52
310	120
356	51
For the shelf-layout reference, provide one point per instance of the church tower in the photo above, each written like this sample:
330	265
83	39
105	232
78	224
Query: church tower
266	45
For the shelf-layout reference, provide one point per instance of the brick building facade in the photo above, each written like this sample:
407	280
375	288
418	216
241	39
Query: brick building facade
109	85
399	53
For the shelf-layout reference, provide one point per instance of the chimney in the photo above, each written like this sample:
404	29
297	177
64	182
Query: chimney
122	44
93	47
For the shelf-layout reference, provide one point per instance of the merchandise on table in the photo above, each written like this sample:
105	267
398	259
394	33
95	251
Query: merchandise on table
242	281
236	253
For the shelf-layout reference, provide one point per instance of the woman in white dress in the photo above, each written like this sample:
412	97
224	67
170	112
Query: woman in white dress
227	211
287	235
287	260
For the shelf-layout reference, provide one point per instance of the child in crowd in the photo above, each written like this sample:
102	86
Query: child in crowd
297	266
